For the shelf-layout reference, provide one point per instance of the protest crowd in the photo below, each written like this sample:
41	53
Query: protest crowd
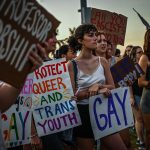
86	96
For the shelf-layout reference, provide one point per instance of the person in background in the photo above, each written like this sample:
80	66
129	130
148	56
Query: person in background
127	50
118	55
109	54
125	134
144	81
50	141
68	52
117	52
136	93
65	52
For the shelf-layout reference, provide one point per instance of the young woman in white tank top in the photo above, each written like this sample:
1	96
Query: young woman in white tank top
93	77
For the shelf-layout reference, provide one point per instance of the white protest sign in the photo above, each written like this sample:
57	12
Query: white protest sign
112	114
16	121
53	109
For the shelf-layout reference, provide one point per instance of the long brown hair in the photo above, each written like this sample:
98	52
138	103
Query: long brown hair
146	46
133	53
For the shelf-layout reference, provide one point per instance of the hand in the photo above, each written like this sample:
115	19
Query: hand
105	91
42	51
74	98
132	101
37	57
36	143
93	90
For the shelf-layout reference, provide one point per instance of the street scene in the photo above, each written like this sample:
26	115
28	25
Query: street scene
75	75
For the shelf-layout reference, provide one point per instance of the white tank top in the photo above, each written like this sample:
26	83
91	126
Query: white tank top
86	80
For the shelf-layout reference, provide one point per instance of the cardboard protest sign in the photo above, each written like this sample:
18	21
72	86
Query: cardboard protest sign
53	109
112	114
125	72
16	121
24	23
112	24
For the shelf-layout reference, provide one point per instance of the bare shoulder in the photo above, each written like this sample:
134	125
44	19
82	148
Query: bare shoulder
144	58
104	61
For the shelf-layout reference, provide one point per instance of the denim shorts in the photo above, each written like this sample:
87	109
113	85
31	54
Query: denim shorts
137	100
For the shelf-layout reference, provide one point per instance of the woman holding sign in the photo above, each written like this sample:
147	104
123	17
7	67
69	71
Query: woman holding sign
135	94
102	50
50	141
91	77
144	81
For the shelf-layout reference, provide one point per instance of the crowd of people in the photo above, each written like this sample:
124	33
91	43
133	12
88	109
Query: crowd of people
92	76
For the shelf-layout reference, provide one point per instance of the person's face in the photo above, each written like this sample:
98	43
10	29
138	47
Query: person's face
128	50
52	43
139	53
89	40
70	55
109	51
101	44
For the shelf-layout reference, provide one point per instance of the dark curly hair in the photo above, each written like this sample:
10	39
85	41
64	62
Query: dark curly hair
79	33
73	43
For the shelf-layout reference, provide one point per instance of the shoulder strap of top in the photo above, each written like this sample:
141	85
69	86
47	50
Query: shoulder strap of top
99	60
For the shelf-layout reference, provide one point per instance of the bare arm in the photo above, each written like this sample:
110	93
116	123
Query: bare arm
143	64
109	80
8	95
132	100
35	140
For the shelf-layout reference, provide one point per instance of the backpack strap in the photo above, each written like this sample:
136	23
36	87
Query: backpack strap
75	69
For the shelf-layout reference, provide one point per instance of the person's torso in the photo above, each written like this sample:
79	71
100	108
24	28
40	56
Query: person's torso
86	80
